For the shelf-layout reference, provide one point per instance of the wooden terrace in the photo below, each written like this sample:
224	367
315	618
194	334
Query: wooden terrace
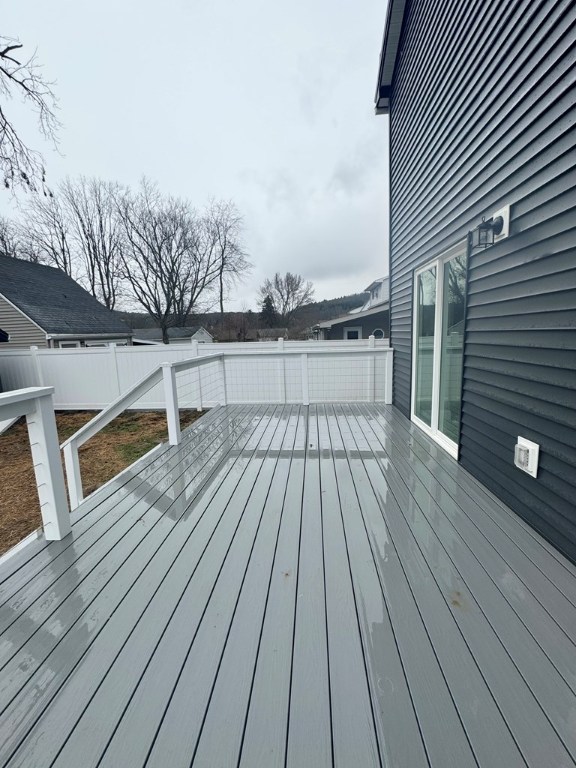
291	585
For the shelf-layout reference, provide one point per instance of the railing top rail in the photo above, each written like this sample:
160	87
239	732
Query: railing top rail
194	362
190	362
115	408
23	395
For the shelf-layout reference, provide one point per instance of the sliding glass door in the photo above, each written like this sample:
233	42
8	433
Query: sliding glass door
438	346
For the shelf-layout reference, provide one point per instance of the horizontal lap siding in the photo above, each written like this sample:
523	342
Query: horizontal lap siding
23	332
483	113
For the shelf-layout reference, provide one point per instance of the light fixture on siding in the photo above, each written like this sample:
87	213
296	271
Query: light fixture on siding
491	230
484	234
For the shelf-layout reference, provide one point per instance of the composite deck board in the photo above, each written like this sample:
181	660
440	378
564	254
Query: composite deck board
291	586
48	619
103	536
498	685
534	609
26	564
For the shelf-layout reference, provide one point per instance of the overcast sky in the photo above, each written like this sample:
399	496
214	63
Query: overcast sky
267	103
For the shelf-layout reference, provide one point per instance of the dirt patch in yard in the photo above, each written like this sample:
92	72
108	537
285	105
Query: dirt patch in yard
122	442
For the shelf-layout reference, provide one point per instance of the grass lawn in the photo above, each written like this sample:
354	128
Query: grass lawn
124	440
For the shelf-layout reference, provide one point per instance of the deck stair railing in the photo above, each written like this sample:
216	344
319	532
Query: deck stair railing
270	376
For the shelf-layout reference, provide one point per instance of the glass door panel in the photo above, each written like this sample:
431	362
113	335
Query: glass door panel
425	324
438	338
452	346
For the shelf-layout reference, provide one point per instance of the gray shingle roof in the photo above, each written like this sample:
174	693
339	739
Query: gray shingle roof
54	301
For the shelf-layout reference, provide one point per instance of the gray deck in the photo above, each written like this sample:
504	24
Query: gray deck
290	587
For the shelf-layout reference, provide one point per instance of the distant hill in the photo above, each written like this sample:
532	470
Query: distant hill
304	318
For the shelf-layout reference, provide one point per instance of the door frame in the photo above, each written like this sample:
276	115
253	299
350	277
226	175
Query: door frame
461	248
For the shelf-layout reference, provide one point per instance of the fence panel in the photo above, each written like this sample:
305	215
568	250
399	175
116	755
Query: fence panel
91	378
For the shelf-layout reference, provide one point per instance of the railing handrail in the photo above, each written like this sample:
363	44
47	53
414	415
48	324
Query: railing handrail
115	408
22	395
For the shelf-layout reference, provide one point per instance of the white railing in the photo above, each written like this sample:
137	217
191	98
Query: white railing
280	375
36	404
91	378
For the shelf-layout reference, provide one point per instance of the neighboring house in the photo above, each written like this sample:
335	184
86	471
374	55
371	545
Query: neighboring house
371	319
175	335
483	241
42	306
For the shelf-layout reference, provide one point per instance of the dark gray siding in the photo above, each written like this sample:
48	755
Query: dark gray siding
483	111
368	324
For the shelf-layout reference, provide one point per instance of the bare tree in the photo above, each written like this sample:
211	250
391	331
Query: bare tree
223	226
287	293
21	78
169	260
9	238
46	234
91	211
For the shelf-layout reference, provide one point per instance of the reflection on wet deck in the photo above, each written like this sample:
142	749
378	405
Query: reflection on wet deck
290	586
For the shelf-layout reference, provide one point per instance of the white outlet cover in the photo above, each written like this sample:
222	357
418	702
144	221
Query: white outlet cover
504	212
533	456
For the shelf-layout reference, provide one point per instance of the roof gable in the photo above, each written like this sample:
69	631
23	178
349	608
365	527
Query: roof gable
54	301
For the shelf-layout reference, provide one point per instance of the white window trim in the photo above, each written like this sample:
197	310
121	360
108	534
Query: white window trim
378	330
439	437
352	328
68	344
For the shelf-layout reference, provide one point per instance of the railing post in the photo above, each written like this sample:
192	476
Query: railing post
305	383
223	372
281	372
389	376
372	370
171	399
48	469
195	347
72	462
37	366
200	404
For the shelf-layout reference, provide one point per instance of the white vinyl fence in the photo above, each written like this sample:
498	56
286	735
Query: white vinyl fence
266	372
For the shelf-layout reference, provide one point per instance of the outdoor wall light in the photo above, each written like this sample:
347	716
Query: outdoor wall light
492	230
484	234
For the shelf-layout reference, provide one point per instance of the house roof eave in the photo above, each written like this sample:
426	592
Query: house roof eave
389	53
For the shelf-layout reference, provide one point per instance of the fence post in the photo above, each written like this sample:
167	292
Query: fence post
45	451
305	383
281	372
73	475
195	347
171	399
37	365
116	372
223	372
